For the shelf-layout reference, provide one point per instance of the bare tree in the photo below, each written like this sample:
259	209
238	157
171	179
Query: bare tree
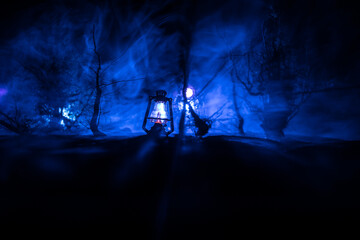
245	79
94	123
16	123
269	73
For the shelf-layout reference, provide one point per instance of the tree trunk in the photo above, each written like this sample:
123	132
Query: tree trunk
240	119
185	44
274	123
94	120
94	124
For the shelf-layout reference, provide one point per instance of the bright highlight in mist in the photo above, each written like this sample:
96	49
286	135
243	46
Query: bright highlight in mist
3	92
189	92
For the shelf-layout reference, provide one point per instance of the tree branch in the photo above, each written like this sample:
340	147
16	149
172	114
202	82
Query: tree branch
120	81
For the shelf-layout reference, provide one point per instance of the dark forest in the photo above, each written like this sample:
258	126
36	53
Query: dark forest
178	117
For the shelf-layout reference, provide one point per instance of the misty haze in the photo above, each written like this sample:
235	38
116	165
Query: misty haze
178	116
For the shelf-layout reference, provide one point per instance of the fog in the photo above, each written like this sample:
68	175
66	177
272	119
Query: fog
257	68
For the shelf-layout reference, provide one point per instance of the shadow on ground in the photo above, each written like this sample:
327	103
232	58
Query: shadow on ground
166	189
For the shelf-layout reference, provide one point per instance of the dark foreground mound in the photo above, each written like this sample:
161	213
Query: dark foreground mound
168	189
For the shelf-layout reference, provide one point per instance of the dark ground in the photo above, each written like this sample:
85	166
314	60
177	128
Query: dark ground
165	189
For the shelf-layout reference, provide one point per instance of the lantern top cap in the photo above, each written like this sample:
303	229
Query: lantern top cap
161	93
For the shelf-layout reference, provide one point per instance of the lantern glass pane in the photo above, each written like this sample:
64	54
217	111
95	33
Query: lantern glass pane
159	112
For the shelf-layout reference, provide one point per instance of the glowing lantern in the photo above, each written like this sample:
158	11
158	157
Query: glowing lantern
160	114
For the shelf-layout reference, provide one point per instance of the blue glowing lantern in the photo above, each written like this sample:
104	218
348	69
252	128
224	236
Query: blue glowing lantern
161	113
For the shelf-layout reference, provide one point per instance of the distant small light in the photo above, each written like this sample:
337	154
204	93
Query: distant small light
189	92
